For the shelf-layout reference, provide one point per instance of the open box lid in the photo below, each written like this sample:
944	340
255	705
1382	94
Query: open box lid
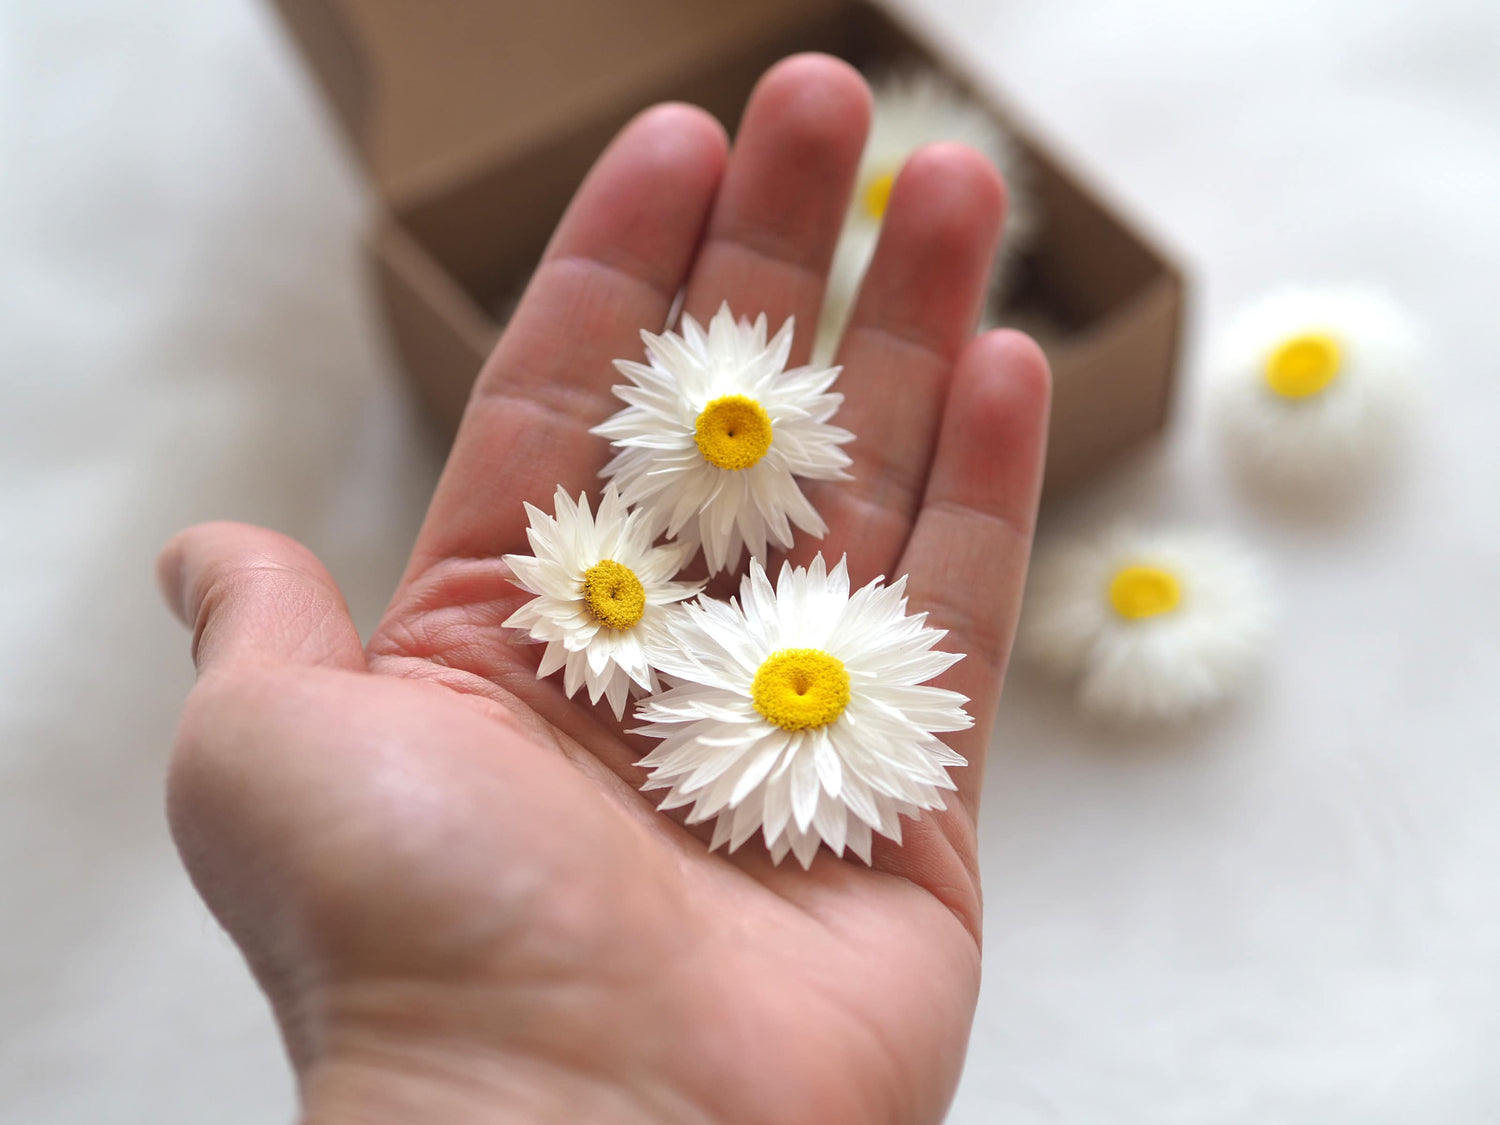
427	91
478	118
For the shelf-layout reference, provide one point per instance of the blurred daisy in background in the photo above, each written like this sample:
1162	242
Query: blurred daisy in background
1146	626
912	109
1312	386
800	712
602	593
717	430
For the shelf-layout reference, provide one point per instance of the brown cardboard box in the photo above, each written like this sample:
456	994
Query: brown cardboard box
478	118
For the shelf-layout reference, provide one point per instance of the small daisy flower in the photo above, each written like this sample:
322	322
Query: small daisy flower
1314	384
603	594
798	712
1147	626
717	430
912	109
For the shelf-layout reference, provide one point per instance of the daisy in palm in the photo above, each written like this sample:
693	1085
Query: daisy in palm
716	433
604	594
800	712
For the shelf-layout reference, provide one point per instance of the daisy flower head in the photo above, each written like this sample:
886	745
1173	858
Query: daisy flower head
1148	627
604	593
801	712
911	109
716	432
1312	386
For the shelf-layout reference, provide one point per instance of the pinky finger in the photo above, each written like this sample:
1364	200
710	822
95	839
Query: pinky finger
967	554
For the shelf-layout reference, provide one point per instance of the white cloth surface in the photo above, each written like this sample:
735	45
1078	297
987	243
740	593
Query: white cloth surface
1287	913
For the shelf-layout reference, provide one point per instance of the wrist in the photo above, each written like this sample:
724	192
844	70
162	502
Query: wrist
395	1071
418	1087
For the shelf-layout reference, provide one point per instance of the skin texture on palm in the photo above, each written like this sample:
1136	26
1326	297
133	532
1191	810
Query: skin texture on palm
441	870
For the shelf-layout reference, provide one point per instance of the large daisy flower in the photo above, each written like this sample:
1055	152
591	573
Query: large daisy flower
798	712
603	594
912	109
716	432
1146	626
1314	384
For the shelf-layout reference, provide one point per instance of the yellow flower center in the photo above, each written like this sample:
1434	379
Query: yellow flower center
1144	591
877	195
733	432
1303	365
797	688
614	594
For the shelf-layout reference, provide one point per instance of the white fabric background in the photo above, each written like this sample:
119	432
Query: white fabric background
1290	913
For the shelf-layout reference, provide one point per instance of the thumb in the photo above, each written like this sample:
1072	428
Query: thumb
253	596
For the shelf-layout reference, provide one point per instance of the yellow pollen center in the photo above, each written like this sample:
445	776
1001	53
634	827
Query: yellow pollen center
796	688
733	432
614	594
1303	365
1144	591
877	195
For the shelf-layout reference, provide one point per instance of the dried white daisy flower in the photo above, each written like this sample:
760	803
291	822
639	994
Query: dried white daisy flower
1312	385
716	432
799	713
1157	626
912	109
603	593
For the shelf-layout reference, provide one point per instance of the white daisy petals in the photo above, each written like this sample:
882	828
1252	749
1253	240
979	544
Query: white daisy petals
797	712
604	594
912	109
715	432
1147	627
1313	386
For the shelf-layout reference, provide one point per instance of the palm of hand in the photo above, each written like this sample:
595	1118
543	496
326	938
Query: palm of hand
442	870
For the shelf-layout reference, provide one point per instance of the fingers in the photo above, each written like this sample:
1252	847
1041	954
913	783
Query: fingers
255	597
614	266
968	550
916	311
778	216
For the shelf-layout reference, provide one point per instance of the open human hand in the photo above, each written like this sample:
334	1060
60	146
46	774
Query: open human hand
441	870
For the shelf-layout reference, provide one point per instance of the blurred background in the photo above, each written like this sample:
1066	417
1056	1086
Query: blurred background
1288	912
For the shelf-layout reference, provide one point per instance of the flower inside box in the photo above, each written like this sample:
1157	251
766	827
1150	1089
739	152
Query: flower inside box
478	118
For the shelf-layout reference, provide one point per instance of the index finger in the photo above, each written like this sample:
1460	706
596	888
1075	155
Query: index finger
614	267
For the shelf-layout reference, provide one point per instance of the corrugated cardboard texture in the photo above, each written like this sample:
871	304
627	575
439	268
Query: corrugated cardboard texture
433	91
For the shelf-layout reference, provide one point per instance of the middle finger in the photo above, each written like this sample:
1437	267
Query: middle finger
779	211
